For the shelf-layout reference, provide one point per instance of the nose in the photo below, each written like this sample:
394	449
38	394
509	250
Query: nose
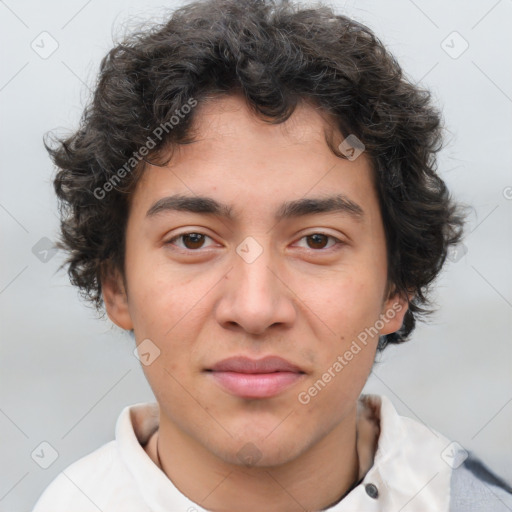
256	293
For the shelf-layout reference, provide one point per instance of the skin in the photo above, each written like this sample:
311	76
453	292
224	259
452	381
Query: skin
200	302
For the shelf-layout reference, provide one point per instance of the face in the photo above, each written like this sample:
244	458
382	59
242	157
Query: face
302	286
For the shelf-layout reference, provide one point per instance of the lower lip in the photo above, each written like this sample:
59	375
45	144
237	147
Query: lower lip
256	385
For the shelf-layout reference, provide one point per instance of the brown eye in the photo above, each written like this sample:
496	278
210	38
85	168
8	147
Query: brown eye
195	239
318	240
191	241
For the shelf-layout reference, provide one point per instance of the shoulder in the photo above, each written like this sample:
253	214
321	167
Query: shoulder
475	488
88	484
111	477
70	486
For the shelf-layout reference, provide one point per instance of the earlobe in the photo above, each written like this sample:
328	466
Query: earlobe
393	312
116	299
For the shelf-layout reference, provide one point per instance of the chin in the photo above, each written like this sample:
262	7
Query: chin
254	453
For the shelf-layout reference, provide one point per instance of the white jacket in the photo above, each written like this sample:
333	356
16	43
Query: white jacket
415	469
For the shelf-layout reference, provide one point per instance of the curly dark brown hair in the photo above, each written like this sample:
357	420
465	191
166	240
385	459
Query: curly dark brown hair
276	54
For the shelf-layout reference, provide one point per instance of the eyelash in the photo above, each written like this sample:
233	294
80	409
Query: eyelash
336	246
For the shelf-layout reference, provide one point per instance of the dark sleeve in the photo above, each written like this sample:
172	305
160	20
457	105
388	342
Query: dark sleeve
475	488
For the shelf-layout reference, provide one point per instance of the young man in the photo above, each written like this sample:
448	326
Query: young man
252	193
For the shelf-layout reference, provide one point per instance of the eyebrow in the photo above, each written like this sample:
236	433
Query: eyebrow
338	203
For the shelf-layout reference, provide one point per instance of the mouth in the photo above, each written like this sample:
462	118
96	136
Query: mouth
251	378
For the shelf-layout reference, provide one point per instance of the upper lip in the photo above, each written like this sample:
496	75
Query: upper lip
268	364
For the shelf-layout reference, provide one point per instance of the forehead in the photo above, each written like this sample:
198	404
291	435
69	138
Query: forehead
241	159
227	115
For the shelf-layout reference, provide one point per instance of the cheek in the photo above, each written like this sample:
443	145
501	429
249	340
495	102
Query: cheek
347	354
160	296
352	302
168	309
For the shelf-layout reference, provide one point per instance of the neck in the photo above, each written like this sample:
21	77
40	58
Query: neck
315	480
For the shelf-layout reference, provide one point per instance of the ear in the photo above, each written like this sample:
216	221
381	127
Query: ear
116	298
393	311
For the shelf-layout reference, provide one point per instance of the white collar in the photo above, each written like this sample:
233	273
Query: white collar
408	470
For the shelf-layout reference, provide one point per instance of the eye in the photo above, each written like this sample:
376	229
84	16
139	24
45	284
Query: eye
192	241
195	240
319	240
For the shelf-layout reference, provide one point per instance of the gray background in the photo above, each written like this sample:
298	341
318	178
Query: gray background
65	375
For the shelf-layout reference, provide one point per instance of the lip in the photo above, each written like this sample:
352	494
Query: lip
269	364
255	378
